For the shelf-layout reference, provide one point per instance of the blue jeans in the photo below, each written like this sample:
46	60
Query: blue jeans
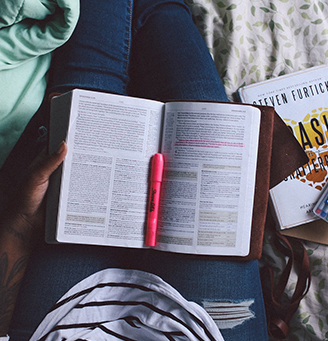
149	48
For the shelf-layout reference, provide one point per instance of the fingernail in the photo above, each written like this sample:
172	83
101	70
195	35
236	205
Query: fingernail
61	148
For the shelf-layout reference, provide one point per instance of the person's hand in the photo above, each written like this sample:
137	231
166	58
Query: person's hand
25	212
20	227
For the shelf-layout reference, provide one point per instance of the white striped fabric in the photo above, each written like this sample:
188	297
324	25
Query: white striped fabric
117	304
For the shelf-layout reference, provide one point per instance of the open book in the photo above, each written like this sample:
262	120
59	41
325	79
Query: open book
100	194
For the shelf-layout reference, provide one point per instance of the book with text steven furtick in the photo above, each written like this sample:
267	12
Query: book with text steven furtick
301	100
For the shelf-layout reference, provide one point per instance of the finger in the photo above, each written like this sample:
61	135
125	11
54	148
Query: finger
45	165
36	182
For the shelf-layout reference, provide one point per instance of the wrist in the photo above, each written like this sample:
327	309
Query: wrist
20	231
15	249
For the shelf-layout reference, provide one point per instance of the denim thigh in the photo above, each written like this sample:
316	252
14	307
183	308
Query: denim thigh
165	58
144	48
54	269
169	58
97	54
211	280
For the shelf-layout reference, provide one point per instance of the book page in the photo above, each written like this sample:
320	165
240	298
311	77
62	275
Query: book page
210	152
104	187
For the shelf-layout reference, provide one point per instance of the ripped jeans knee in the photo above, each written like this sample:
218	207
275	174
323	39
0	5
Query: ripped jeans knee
228	313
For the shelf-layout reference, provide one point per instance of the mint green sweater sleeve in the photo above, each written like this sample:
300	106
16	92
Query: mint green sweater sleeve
29	31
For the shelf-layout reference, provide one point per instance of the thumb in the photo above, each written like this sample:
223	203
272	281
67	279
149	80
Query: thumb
28	200
36	182
44	165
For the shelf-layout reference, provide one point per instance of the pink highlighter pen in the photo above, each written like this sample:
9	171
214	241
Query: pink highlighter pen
156	176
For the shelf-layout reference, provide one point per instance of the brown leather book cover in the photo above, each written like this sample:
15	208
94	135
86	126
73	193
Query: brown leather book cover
279	155
285	157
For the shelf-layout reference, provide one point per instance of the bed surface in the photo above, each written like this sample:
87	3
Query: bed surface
254	40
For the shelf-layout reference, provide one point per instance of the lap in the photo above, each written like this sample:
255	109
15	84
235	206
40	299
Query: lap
54	269
149	58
